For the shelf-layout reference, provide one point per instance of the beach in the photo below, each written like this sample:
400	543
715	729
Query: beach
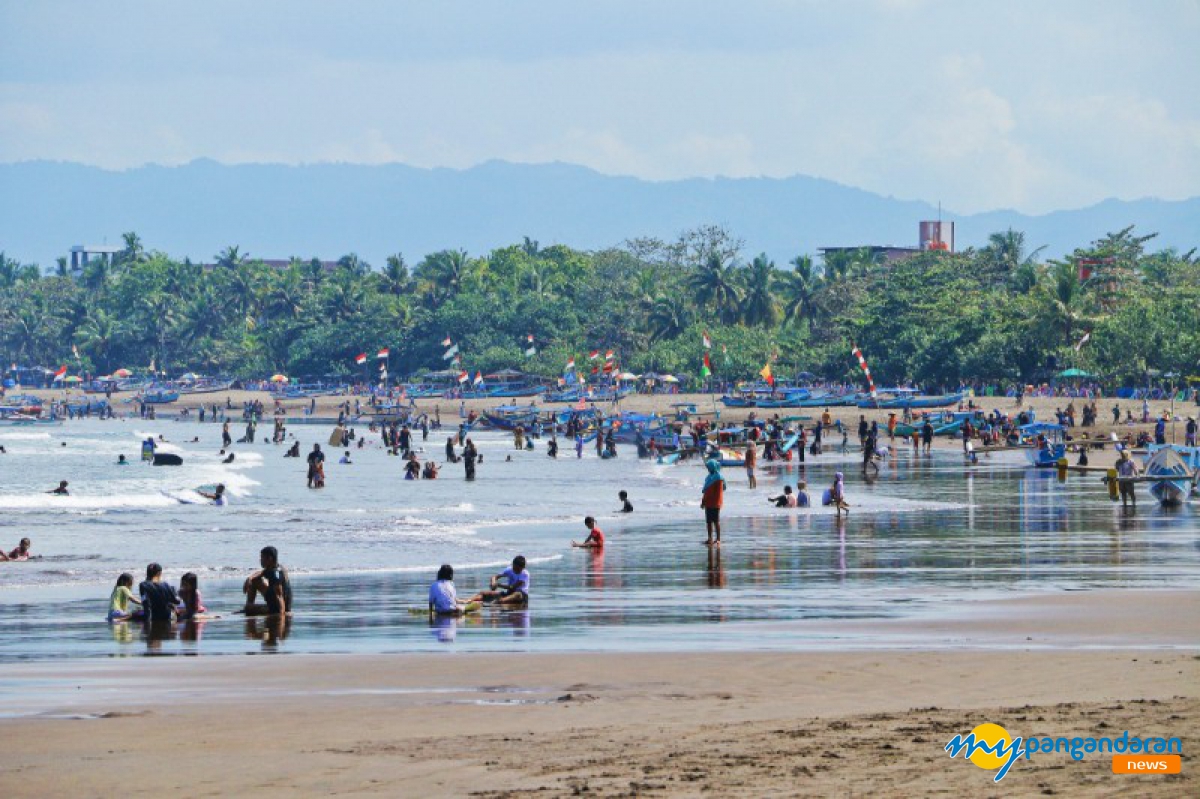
809	655
680	724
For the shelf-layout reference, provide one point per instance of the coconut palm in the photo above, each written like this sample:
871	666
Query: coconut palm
759	306
442	274
799	290
13	272
717	287
286	294
669	316
1064	301
98	335
231	257
395	279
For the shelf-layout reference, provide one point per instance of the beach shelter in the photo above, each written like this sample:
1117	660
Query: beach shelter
626	376
122	373
279	378
670	379
73	379
1077	373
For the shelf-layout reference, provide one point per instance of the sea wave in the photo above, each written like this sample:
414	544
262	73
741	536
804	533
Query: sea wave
75	502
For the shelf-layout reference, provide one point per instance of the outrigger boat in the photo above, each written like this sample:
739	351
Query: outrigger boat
909	398
1051	451
1177	467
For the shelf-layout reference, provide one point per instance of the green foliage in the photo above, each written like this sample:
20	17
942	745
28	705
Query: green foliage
995	314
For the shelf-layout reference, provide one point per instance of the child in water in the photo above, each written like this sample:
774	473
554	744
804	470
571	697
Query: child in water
118	601
595	538
189	597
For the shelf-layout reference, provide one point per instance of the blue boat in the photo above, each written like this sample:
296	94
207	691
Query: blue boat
1178	467
1054	449
160	396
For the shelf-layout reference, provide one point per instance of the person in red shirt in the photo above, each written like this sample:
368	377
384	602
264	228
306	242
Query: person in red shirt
595	539
711	500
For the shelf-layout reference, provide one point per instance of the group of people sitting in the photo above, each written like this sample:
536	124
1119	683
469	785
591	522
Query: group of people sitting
509	588
160	602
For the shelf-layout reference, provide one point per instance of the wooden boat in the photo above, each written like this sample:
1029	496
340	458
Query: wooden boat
1048	455
1175	485
160	396
907	398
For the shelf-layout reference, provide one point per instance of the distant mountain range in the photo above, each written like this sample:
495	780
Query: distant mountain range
327	210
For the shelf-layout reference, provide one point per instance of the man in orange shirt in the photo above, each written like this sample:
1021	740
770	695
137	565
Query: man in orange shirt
712	500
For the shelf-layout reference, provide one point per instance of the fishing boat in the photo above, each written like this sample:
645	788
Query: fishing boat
1178	479
1052	449
739	402
202	386
909	398
160	396
946	423
9	418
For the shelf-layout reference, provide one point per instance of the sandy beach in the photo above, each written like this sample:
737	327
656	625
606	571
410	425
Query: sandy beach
684	724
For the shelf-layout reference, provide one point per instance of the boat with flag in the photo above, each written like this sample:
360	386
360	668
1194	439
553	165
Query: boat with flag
1174	469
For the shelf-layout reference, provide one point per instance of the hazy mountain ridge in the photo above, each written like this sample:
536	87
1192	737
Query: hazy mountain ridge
326	210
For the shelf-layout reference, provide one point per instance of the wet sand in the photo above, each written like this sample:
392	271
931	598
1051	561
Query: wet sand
683	724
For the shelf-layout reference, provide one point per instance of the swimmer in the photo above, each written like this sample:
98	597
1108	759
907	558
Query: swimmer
345	459
229	458
595	539
20	553
61	490
217	497
122	462
626	506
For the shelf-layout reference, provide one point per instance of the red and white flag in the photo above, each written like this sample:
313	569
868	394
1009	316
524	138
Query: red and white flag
608	367
361	359
62	371
463	377
571	363
478	378
608	356
862	363
707	341
383	353
593	355
446	342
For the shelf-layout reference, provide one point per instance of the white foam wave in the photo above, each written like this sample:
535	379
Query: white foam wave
77	502
24	436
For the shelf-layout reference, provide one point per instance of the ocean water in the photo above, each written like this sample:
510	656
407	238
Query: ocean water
923	536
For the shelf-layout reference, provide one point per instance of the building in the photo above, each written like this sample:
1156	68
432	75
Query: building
937	235
934	235
82	254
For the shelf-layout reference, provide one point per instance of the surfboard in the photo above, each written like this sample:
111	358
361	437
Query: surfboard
791	442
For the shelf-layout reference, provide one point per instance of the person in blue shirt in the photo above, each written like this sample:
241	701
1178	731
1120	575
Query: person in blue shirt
509	587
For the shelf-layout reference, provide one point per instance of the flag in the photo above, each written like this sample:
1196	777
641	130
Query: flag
593	355
532	351
595	370
446	342
608	367
570	363
862	363
561	382
608	356
463	377
529	338
450	353
707	341
383	368
383	353
75	350
1082	341
479	378
458	359
361	359
706	367
766	375
61	373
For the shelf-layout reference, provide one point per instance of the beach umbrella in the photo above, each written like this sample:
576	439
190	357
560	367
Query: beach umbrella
279	378
670	379
1074	373
188	376
626	376
122	373
73	379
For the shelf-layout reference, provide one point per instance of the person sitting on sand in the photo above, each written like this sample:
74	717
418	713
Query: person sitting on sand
118	601
443	597
595	538
19	554
61	490
190	606
785	500
217	496
509	587
271	582
158	598
626	505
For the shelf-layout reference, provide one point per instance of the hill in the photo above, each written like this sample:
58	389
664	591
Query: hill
327	210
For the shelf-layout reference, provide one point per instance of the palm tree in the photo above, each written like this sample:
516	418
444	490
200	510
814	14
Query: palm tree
1064	301
530	247
133	253
442	274
98	334
286	295
669	316
1005	256
395	278
12	272
800	289
716	285
231	257
244	286
343	296
758	304
354	264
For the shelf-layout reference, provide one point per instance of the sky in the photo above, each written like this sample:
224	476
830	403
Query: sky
1034	106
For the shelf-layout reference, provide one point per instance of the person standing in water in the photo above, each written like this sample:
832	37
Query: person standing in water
712	499
595	537
316	461
469	456
751	463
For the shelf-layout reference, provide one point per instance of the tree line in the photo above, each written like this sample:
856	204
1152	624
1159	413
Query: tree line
995	314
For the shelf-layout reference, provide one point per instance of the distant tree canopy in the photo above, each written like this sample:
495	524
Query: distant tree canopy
993	314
